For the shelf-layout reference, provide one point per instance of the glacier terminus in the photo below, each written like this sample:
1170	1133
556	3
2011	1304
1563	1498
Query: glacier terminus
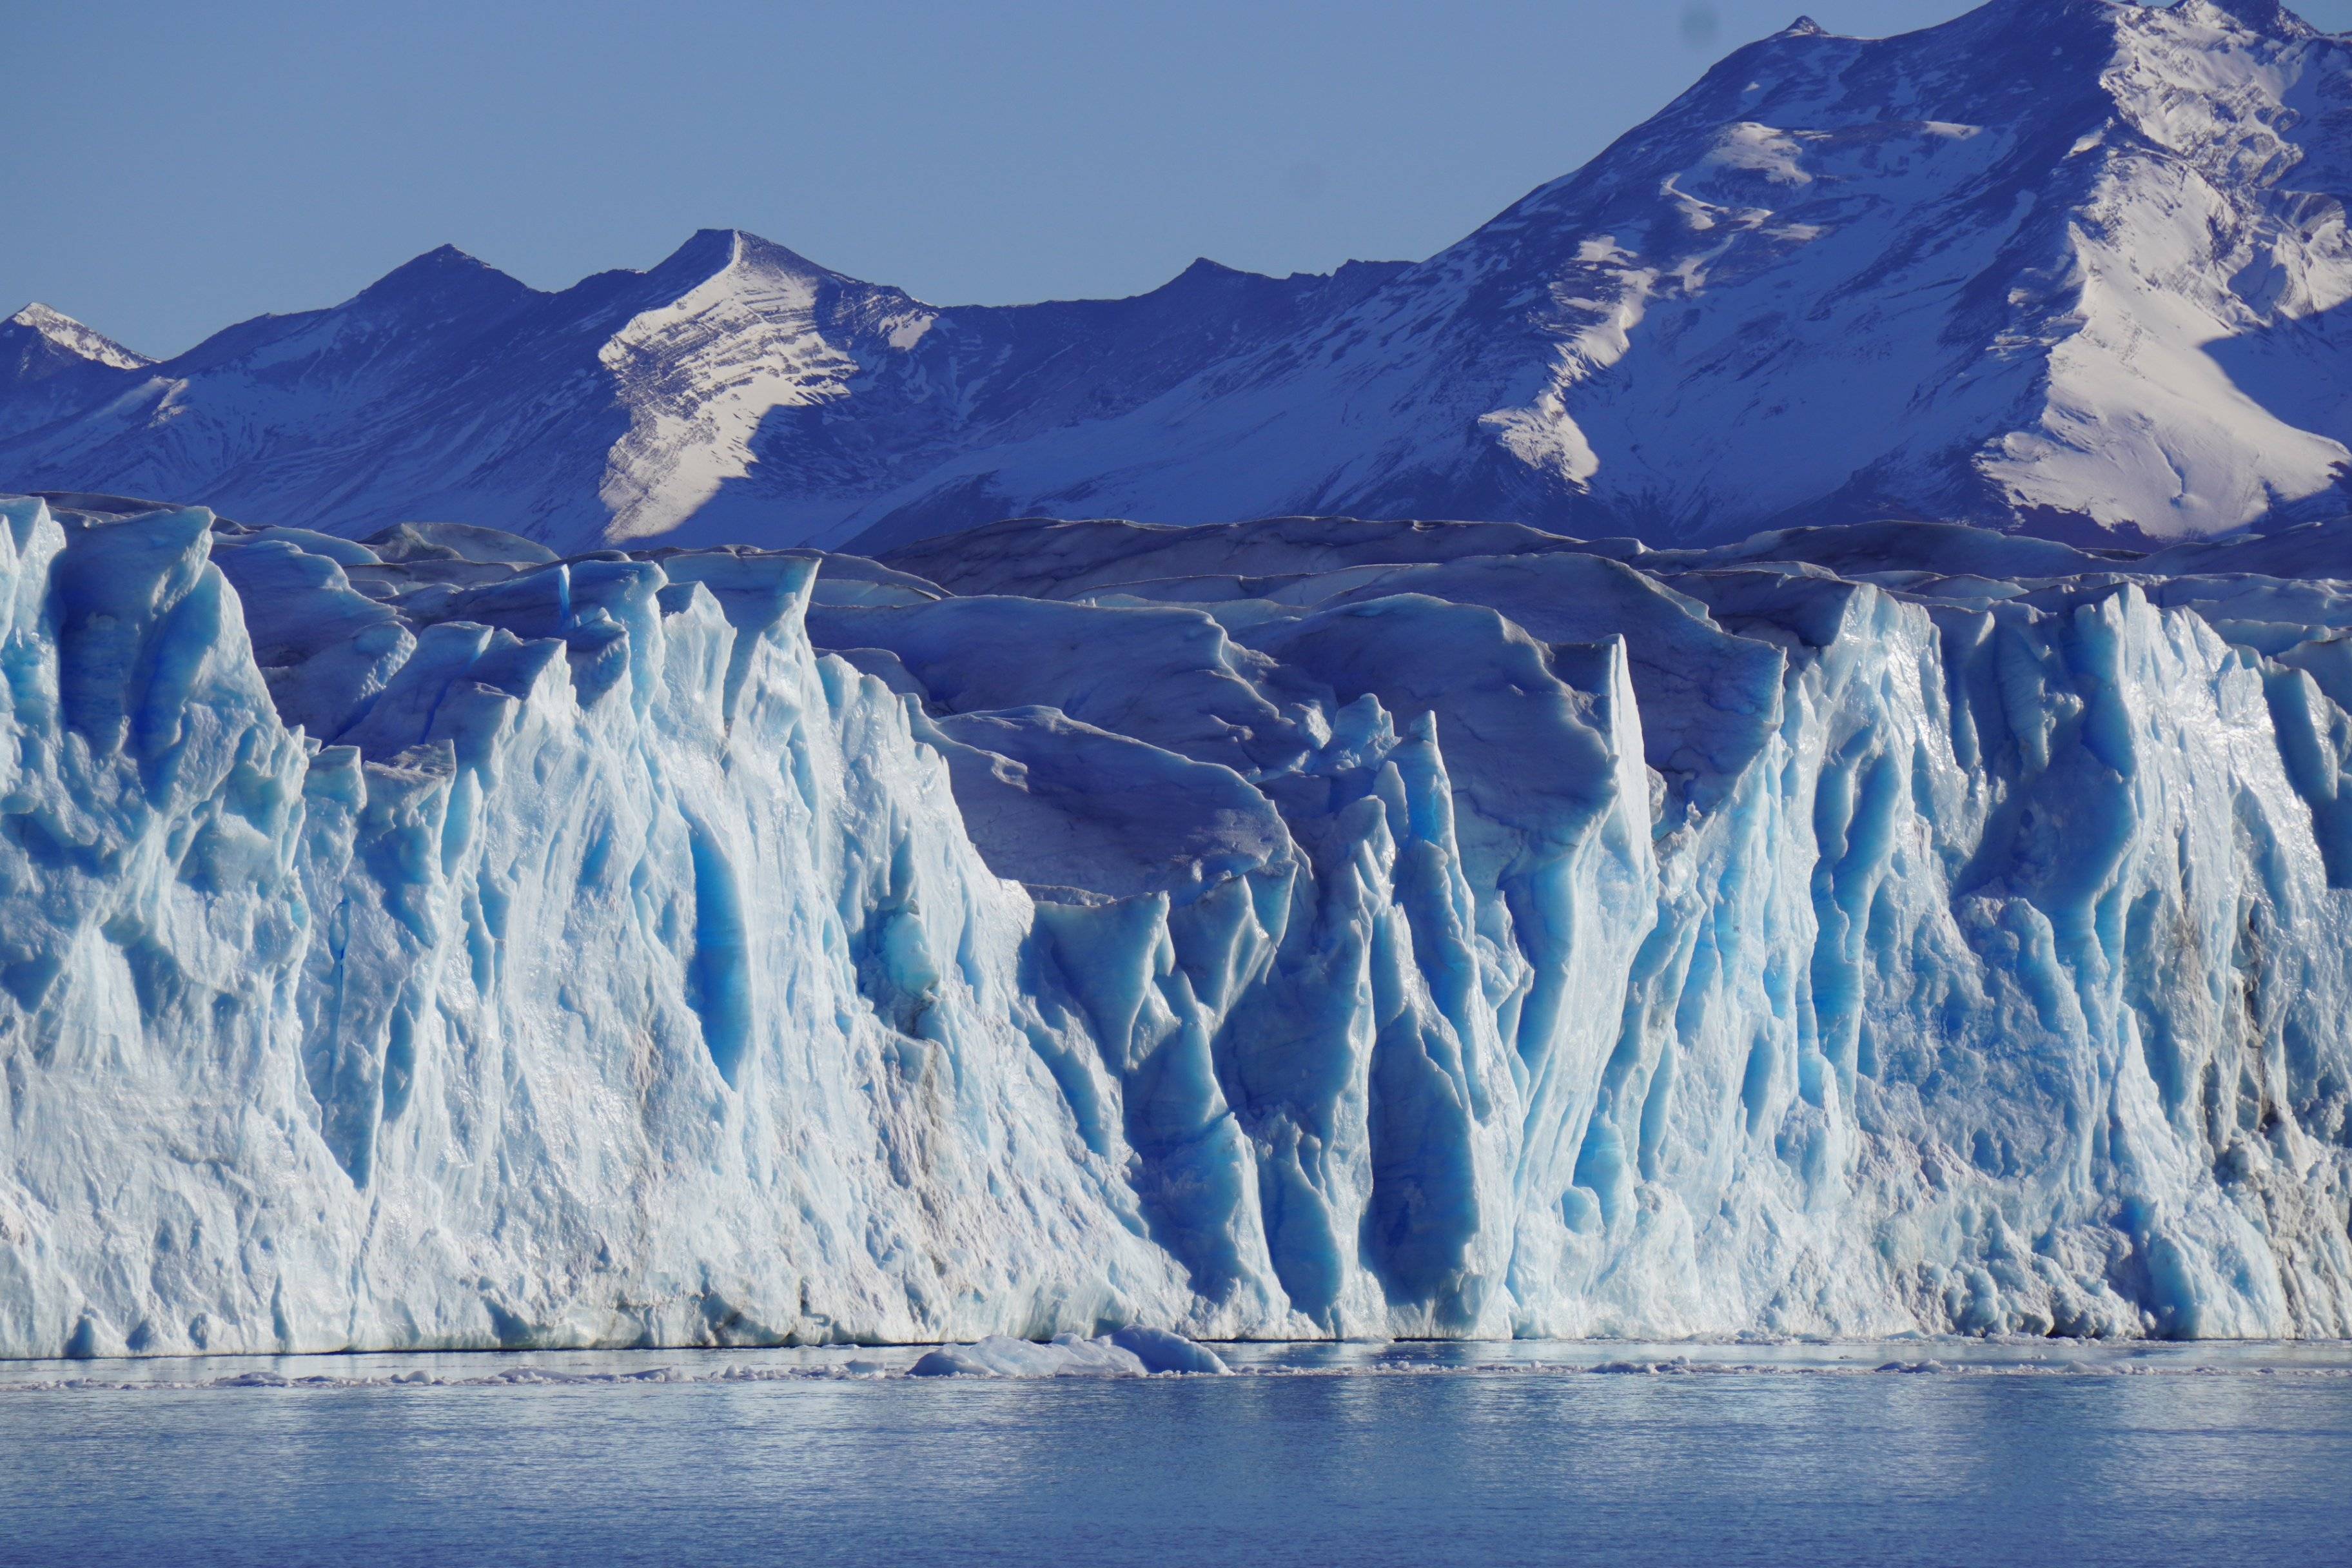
1310	927
1762	747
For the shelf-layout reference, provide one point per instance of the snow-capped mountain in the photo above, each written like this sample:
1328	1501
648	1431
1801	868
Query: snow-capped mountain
2069	265
51	365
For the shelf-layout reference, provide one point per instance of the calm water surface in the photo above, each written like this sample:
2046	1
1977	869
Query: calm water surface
1487	1455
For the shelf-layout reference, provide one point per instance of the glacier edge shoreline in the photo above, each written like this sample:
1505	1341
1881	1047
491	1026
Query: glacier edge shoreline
1422	934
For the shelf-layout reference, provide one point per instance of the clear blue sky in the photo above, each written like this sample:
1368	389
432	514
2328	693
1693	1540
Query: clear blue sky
168	167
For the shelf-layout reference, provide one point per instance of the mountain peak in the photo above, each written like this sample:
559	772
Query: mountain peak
706	248
709	252
1804	27
1204	270
2271	18
752	250
440	261
62	335
40	318
442	276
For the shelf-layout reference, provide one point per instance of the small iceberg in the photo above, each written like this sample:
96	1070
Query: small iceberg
1128	1352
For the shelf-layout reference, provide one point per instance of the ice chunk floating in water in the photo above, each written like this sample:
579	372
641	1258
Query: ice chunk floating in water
1128	1352
1307	928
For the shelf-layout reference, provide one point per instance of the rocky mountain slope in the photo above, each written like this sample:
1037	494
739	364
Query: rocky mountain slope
2067	264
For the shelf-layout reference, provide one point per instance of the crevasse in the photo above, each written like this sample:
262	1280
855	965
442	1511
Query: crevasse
1294	929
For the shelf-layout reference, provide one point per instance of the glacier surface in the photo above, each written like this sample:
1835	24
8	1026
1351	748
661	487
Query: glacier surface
1308	928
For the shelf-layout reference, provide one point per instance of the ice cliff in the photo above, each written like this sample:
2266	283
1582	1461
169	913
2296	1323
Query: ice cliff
1310	927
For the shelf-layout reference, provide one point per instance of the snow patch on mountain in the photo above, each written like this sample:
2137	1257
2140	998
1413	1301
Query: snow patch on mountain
700	373
67	337
52	366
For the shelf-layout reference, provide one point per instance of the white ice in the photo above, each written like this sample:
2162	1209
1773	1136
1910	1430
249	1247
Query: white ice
1312	927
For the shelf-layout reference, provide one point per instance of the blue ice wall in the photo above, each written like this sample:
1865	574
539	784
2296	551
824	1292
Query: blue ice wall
424	943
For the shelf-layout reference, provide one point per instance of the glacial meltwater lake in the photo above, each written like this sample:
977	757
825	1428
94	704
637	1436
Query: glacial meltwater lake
1920	1452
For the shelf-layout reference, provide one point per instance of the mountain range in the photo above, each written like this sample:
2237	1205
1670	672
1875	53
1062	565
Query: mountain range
2072	267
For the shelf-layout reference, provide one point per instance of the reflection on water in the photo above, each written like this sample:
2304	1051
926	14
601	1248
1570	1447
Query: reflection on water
1405	1454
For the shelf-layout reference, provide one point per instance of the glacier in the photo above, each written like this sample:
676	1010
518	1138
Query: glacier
1307	928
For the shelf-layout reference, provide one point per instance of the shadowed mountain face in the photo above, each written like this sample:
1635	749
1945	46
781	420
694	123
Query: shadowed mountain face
52	365
2064	265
